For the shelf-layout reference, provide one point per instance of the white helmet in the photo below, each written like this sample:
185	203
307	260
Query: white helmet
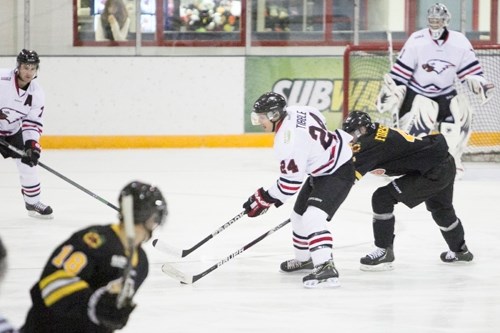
438	18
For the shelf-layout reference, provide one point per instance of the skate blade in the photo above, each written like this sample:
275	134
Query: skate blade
40	216
387	266
317	284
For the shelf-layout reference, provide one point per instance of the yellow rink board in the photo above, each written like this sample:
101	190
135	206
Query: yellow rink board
197	141
168	141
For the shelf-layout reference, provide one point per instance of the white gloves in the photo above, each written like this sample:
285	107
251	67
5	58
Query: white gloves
479	86
391	96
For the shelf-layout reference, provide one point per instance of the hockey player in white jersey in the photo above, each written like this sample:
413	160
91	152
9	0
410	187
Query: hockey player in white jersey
419	90
305	147
22	103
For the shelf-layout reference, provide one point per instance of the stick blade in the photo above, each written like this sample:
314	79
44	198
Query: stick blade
176	274
163	247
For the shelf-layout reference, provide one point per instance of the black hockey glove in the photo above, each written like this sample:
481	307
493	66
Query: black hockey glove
102	309
259	203
31	153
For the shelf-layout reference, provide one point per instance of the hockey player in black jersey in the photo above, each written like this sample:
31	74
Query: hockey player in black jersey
427	173
79	286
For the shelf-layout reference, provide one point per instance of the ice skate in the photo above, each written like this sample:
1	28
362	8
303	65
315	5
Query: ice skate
378	260
294	265
39	210
324	275
462	256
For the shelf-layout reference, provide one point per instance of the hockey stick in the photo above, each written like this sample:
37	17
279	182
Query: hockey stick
190	279
126	292
160	245
21	153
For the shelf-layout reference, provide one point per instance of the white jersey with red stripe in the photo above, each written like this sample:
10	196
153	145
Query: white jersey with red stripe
429	67
304	146
20	108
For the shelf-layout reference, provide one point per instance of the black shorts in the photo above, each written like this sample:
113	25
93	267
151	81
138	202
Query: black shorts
326	192
437	183
15	140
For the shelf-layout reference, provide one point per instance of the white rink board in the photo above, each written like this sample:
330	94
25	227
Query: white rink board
141	95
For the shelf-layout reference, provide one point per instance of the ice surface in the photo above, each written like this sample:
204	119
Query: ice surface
205	188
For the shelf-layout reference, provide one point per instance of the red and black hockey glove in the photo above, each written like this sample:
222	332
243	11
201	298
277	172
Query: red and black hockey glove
259	203
31	153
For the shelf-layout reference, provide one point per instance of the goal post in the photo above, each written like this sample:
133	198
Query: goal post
365	66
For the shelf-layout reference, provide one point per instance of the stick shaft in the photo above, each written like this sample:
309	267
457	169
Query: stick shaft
176	274
95	196
183	253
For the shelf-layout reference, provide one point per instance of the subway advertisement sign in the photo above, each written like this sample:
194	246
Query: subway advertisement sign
314	81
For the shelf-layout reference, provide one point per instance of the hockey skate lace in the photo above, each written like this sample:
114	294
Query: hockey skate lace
39	207
294	263
450	255
377	253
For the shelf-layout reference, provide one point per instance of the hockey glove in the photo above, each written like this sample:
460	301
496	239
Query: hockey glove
479	86
102	309
259	203
391	96
31	153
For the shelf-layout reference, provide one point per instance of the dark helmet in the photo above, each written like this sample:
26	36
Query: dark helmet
3	260
272	104
28	57
355	120
147	201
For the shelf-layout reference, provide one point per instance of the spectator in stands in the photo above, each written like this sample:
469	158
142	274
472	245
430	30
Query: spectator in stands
113	23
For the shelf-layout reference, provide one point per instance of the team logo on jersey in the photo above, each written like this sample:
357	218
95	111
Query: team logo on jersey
10	115
437	65
93	239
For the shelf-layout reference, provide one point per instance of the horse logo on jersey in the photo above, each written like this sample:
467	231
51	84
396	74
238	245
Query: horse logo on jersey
437	65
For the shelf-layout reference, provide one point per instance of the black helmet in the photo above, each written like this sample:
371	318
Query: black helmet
147	201
28	57
356	120
3	260
272	104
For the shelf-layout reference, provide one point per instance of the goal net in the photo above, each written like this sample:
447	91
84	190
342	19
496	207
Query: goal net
365	66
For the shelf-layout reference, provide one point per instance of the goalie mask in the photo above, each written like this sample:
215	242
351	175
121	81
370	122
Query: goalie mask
438	19
270	105
147	202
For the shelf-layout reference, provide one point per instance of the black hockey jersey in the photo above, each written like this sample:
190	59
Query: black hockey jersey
88	260
397	152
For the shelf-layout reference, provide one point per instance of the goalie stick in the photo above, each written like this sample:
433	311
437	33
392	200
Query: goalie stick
173	272
21	153
160	245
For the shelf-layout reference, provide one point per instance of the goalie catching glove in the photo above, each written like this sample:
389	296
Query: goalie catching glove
103	310
391	96
259	203
479	86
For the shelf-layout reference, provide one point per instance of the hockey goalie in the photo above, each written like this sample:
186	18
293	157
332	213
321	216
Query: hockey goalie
419	91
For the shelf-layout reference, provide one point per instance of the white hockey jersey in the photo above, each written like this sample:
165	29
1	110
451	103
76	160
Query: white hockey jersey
20	108
430	67
304	146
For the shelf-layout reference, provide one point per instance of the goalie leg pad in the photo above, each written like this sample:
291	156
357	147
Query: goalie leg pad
457	134
422	118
